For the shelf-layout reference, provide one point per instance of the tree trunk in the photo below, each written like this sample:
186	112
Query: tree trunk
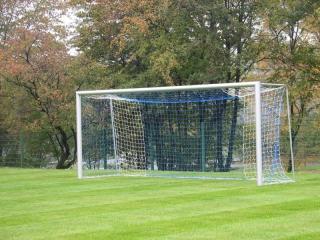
172	141
232	134
147	121
157	122
219	166
202	144
64	147
295	129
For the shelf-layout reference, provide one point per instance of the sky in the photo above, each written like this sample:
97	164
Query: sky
70	20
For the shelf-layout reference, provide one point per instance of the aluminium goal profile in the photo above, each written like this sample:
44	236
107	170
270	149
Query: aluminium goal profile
257	96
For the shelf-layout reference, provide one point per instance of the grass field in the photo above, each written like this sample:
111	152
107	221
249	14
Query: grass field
52	204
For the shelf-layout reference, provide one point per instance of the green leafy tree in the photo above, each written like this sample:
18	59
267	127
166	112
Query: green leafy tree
151	43
170	42
34	63
293	50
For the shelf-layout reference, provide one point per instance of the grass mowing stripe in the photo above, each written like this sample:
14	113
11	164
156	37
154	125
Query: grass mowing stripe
143	219
305	236
194	223
176	203
52	204
144	195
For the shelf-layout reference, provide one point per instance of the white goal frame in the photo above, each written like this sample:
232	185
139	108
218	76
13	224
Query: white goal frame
257	87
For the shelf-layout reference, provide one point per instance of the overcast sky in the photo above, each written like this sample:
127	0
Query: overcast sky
70	20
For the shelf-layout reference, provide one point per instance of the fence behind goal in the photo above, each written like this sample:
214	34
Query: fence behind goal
186	132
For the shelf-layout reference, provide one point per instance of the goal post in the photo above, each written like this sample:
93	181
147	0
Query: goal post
79	135
257	94
214	131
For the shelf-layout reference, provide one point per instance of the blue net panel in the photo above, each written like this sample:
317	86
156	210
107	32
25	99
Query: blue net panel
176	97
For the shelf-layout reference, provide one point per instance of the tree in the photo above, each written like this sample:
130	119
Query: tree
11	11
292	40
33	63
150	43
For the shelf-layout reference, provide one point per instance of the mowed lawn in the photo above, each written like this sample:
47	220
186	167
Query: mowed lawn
53	204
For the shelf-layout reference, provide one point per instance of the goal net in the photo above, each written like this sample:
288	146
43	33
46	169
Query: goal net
225	131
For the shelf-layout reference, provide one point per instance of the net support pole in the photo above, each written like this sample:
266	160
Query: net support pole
290	133
114	136
203	147
258	133
79	135
21	148
105	152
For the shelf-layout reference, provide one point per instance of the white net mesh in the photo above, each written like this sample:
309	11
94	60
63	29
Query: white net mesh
129	136
182	133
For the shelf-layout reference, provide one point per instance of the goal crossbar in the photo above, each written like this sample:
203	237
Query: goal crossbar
256	85
175	88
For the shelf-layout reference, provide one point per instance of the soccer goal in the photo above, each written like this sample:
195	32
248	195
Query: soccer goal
215	131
